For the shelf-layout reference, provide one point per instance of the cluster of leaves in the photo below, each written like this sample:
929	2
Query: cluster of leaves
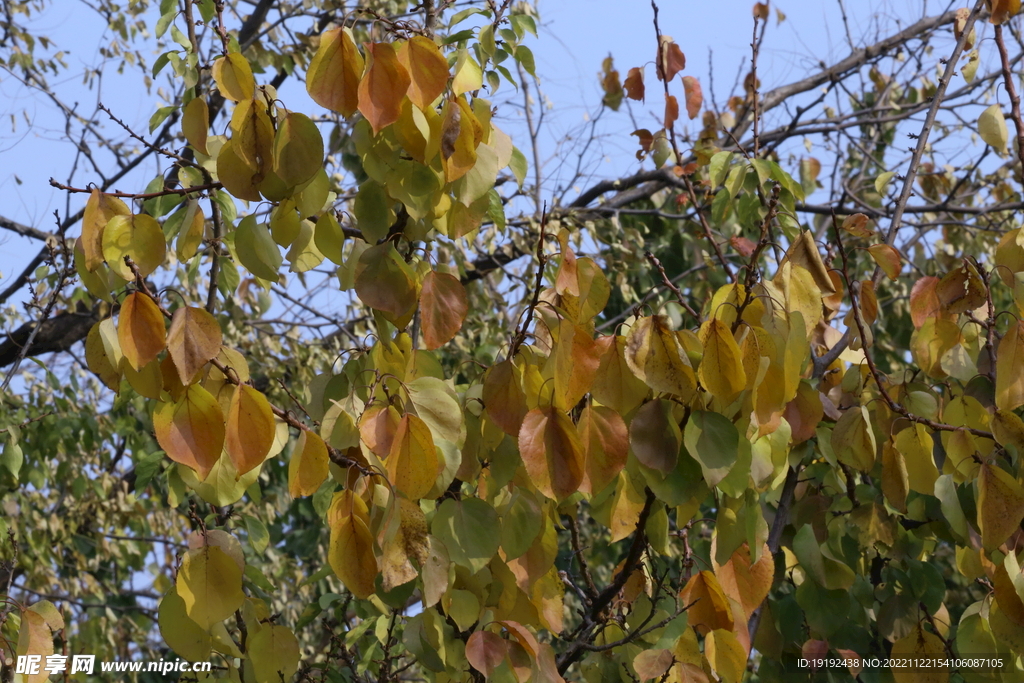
751	469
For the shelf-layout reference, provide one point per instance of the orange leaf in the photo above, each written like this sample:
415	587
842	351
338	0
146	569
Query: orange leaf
195	123
710	608
191	431
635	83
140	330
383	86
377	427
1002	10
924	303
250	429
671	111
427	67
746	583
605	446
551	452
887	258
309	466
443	308
332	79
694	96
412	461
193	340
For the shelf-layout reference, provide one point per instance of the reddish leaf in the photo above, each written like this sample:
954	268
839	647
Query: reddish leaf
486	651
694	96
551	452
670	59
383	86
924	303
743	245
193	340
443	308
635	83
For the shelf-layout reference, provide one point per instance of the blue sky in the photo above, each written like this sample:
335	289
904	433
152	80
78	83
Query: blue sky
576	35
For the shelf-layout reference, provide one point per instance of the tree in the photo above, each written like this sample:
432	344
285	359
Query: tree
713	430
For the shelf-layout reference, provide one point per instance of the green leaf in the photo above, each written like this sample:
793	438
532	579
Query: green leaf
712	440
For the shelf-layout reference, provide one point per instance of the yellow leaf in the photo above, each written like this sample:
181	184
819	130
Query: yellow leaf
234	78
412	464
98	211
1009	359
409	544
614	384
195	123
351	554
139	237
895	480
551	452
427	67
503	397
574	361
915	445
187	638
992	128
250	428
253	137
105	363
210	583
461	133
727	656
34	638
237	176
332	79
383	86
655	355
274	653
721	368
191	431
309	466
652	663
853	439
193	228
140	330
193	340
298	149
1000	505
920	643
804	252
